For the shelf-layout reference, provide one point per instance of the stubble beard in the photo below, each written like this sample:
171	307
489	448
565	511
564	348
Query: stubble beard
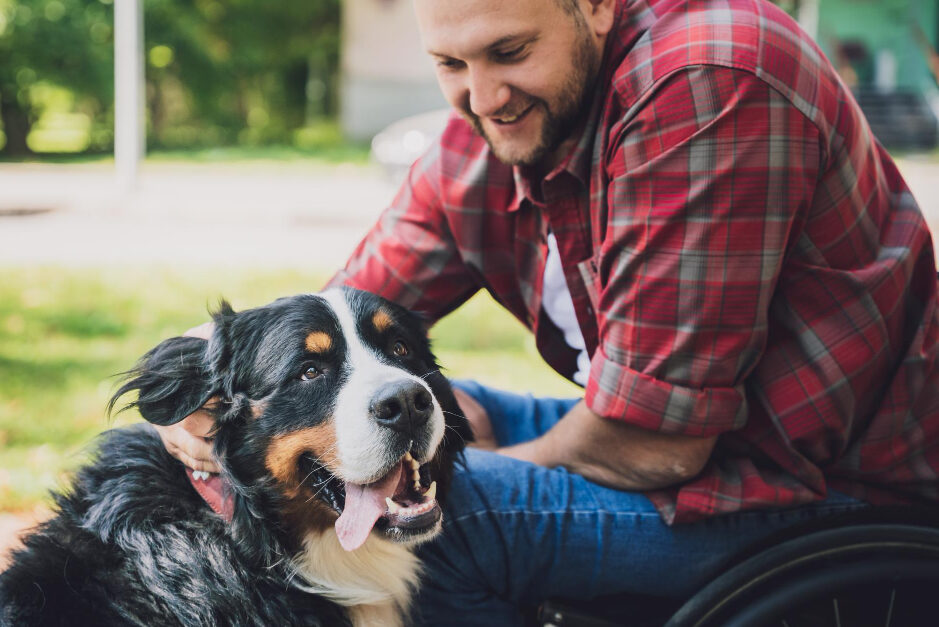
560	120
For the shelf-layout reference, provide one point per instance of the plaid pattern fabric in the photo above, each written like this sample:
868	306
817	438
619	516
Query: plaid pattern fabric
743	257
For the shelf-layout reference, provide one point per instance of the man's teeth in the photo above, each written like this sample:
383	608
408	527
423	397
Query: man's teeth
510	119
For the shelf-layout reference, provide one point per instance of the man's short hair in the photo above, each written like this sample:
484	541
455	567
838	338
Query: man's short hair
571	7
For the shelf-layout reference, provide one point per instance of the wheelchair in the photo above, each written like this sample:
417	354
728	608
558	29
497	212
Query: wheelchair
872	567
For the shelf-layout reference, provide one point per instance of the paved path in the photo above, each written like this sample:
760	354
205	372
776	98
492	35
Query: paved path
204	215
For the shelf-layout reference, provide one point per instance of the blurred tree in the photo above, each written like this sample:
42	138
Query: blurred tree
218	72
241	70
65	42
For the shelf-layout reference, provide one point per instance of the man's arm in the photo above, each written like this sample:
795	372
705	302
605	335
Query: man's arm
616	454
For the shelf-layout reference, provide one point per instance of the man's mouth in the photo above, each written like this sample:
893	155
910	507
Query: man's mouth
402	504
506	120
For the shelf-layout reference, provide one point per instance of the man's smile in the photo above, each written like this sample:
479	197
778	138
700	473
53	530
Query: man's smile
508	120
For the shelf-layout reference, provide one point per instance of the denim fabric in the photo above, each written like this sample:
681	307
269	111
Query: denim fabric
515	533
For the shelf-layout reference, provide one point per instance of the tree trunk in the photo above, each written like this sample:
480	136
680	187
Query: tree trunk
16	127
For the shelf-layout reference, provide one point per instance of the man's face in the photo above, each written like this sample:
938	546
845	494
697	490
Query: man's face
520	70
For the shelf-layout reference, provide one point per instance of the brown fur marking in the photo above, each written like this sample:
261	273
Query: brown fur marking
381	320
318	342
302	513
284	451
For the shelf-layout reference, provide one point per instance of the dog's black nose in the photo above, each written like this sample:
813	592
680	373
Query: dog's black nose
404	406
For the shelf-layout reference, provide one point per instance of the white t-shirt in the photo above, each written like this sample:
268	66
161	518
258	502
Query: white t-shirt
557	303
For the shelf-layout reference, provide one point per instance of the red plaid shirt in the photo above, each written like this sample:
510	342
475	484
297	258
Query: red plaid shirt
743	257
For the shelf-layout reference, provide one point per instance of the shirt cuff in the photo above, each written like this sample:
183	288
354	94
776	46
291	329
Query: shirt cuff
617	392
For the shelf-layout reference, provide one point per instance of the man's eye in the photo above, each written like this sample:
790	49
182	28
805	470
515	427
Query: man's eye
509	55
449	64
310	373
400	349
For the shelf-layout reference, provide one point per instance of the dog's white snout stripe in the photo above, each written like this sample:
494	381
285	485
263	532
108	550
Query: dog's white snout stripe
360	441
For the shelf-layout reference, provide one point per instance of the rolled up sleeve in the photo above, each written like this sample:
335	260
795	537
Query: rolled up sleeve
615	391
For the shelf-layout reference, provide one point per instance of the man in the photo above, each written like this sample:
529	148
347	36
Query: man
686	206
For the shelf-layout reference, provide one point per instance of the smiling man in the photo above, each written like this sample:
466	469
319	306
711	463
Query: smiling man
685	205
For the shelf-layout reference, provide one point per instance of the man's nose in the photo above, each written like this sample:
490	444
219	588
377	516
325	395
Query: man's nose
487	93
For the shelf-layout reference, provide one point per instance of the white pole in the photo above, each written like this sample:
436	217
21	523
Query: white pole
129	112
807	16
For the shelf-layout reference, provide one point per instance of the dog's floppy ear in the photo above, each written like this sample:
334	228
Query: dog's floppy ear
172	381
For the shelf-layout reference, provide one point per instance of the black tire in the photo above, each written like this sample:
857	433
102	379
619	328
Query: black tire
874	574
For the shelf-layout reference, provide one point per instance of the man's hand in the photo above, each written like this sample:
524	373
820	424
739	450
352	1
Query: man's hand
616	454
190	439
478	419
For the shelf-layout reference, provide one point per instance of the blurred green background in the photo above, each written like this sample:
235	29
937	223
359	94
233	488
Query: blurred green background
244	72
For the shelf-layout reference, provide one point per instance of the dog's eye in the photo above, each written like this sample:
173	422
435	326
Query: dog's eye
400	349
310	373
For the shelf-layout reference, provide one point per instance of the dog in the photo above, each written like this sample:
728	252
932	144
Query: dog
336	435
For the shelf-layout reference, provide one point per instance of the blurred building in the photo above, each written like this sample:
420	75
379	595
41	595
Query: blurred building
886	50
386	75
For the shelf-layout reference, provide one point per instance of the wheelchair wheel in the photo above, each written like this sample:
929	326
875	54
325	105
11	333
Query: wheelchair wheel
878	574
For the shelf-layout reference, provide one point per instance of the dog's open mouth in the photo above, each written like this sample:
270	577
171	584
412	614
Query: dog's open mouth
402	504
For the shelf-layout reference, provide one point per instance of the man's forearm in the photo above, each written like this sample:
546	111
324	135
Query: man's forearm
616	454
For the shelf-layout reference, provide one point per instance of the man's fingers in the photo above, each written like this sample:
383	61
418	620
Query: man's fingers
478	418
200	423
192	450
197	463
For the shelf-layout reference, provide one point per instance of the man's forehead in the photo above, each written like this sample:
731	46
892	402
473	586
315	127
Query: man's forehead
466	27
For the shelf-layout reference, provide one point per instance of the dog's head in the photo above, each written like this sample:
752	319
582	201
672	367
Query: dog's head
330	411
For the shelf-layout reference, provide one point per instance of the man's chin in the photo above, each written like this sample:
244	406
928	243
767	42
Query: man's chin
517	152
517	156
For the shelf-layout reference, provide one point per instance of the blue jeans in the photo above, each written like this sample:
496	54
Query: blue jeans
515	534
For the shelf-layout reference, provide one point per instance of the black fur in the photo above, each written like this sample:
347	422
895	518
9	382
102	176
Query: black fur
132	543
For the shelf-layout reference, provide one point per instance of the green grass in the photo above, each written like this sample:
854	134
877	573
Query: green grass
353	153
65	333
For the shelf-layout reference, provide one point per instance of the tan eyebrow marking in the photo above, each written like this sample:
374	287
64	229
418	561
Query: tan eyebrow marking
381	320
318	342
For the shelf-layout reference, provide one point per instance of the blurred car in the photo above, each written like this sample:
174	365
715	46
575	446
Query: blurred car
399	144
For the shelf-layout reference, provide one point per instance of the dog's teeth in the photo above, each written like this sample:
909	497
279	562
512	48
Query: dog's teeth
431	491
417	486
416	475
393	507
407	457
414	465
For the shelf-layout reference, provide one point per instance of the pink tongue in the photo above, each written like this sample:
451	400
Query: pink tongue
364	505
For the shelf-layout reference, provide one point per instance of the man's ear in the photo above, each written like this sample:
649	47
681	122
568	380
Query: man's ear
600	16
172	381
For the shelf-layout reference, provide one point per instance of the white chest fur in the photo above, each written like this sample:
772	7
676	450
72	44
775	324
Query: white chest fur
374	582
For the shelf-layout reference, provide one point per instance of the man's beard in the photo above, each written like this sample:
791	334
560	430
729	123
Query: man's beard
560	121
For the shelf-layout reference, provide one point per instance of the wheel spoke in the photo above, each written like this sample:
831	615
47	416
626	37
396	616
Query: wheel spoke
893	596
837	613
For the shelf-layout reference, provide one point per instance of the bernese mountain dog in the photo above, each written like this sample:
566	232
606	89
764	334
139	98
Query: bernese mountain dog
336	436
